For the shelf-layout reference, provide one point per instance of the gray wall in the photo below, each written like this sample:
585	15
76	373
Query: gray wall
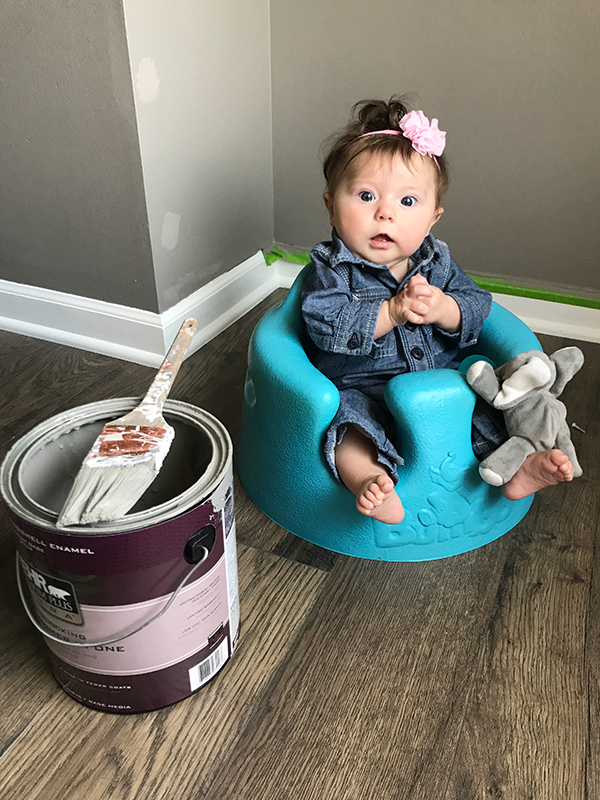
136	162
72	208
516	86
135	145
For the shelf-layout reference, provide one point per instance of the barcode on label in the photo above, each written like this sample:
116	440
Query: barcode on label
204	671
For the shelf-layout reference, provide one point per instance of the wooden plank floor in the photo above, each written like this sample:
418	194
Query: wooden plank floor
470	677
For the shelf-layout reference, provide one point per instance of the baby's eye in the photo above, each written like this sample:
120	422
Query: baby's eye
408	201
367	197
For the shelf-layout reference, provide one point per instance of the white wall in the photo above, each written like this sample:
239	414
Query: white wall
201	77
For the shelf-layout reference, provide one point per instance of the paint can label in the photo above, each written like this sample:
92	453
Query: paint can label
198	610
182	638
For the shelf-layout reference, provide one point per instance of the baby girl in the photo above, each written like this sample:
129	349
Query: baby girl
385	297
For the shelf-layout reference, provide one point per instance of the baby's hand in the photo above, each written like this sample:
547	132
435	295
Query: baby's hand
422	304
414	302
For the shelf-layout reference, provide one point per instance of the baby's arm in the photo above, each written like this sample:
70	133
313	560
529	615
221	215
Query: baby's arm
420	303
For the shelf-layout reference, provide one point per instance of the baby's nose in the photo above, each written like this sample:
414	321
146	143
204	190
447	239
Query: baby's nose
385	211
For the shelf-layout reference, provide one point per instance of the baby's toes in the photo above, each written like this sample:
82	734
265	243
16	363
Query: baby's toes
364	504
562	464
374	494
567	470
558	458
385	485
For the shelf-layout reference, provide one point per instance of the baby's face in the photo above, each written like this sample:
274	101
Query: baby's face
383	208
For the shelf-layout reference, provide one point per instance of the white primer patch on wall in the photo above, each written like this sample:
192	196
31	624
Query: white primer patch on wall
170	230
147	81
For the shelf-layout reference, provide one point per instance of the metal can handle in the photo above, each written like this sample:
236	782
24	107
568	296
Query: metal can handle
49	635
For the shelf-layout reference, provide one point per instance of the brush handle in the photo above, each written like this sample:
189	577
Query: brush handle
161	385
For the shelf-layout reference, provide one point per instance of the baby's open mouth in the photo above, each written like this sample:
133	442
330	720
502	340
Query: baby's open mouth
381	238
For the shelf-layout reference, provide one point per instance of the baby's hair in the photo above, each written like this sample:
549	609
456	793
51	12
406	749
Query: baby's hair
369	116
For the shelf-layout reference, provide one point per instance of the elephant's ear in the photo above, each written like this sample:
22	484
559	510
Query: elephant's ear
533	375
568	360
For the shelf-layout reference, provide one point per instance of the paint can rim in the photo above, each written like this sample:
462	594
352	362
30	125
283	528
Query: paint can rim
51	429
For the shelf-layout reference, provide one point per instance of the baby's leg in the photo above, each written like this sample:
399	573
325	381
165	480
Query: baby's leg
358	467
538	471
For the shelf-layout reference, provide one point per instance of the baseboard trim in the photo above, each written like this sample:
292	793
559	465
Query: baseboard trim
556	319
542	316
143	337
221	302
130	333
108	328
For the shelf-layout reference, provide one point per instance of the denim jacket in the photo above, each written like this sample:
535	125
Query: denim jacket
341	299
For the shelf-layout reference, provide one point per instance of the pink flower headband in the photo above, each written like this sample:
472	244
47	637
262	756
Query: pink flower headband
428	140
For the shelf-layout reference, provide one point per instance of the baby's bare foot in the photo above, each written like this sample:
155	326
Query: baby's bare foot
538	471
378	499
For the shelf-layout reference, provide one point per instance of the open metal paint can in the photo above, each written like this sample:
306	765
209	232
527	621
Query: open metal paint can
141	612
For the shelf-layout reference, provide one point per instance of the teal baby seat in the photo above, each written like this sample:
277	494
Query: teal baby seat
289	404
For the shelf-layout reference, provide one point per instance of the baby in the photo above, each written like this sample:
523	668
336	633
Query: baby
385	297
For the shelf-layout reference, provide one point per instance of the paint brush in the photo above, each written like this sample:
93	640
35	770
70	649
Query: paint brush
129	452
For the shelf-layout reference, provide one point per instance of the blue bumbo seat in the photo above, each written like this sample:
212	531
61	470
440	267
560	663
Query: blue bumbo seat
288	406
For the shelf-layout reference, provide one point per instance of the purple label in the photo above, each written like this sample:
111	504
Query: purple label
144	637
121	568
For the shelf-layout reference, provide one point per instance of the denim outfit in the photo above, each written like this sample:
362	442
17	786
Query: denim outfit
341	300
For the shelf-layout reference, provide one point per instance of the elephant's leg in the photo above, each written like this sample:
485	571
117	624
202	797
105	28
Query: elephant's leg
499	467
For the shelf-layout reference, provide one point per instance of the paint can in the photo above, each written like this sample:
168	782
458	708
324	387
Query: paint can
141	612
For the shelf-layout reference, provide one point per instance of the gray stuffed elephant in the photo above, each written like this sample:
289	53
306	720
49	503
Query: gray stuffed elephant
526	390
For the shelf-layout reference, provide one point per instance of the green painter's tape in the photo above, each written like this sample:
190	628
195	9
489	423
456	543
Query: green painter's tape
497	285
271	257
302	257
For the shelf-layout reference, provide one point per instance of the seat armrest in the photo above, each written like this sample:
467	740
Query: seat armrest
281	374
504	336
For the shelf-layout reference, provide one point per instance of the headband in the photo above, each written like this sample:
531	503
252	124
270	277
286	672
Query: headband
428	140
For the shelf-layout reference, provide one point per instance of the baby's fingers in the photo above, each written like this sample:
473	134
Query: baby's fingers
418	287
417	281
421	290
416	312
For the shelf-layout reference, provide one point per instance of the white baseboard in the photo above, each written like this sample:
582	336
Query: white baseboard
542	316
556	319
221	302
144	337
132	333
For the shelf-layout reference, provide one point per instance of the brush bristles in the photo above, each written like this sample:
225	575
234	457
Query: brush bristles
107	487
104	494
